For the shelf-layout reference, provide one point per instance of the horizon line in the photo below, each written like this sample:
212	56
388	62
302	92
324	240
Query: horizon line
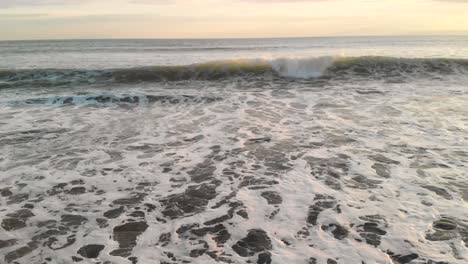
244	38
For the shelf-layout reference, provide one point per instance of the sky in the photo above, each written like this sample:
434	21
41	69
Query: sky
75	19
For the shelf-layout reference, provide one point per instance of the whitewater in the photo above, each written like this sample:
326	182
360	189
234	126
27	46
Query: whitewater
310	150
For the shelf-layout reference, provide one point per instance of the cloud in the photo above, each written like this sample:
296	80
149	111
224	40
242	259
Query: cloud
454	1
32	3
22	16
15	3
149	2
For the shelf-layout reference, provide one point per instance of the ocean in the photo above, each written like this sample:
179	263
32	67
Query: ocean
305	150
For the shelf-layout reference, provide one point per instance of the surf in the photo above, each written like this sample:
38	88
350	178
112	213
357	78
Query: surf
328	67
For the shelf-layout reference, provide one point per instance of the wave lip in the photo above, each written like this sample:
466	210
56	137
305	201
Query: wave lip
302	68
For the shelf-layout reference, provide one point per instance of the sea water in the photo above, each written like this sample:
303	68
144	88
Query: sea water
307	150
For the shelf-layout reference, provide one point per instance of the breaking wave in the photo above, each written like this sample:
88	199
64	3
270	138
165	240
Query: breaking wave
304	68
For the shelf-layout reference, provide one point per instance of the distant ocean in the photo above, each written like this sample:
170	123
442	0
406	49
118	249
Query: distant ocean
303	150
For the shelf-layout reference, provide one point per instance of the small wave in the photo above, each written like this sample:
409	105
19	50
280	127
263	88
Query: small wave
304	68
393	67
52	77
111	99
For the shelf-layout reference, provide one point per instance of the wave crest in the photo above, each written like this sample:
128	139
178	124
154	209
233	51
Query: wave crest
304	68
203	71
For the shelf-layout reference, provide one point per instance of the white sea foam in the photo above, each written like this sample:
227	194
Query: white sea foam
367	169
302	67
299	141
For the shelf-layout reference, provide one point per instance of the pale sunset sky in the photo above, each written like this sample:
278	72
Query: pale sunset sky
73	19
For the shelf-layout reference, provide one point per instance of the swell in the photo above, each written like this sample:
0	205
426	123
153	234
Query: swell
305	68
15	50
